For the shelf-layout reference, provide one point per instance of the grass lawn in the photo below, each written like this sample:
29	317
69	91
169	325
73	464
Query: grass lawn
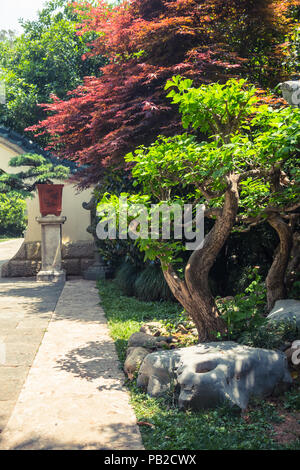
7	238
171	429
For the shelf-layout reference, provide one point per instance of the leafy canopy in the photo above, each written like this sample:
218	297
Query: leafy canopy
146	43
214	109
264	140
45	59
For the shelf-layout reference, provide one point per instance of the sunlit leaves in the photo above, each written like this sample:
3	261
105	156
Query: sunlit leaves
215	109
12	213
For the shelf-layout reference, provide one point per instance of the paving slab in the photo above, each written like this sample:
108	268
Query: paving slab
74	396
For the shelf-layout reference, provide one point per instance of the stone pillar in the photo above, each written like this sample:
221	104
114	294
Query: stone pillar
51	226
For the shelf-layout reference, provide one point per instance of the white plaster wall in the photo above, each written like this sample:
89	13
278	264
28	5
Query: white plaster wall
78	219
6	153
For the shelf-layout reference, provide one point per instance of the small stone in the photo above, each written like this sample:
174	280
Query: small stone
153	328
182	329
134	359
291	92
143	340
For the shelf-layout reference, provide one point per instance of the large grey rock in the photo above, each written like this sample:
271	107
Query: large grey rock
21	253
286	310
291	92
207	375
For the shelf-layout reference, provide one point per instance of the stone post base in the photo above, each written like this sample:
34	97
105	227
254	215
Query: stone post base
51	276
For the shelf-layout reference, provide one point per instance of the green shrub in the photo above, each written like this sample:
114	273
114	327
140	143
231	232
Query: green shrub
126	276
245	312
151	285
246	321
294	292
292	400
12	214
115	252
270	335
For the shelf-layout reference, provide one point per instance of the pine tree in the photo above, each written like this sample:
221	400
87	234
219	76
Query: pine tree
37	169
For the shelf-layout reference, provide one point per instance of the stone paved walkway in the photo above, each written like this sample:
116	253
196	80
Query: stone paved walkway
73	397
8	250
25	311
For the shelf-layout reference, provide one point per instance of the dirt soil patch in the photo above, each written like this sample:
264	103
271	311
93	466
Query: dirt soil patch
289	429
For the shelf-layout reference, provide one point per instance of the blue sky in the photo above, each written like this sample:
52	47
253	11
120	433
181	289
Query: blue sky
12	10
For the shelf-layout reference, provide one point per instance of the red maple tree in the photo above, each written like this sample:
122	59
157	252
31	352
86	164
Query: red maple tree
147	42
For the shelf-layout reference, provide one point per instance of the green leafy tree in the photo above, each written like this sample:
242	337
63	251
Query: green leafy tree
45	60
12	214
233	174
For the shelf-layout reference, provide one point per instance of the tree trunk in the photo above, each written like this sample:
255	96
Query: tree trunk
293	268
275	281
194	292
201	307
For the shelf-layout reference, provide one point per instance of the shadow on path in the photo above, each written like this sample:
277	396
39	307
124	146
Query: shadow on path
91	362
124	437
35	298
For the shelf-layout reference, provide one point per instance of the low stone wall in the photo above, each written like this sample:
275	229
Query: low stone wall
76	258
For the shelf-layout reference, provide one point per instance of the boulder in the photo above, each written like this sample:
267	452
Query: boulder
134	359
209	374
286	310
291	92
